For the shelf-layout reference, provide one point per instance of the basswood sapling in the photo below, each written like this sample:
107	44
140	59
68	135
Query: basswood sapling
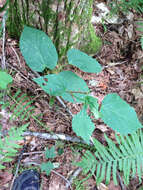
40	53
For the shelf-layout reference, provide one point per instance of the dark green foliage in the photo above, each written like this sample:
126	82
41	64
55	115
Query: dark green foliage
4	6
14	22
123	6
126	157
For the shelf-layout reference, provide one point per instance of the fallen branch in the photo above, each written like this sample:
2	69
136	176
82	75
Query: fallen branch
48	136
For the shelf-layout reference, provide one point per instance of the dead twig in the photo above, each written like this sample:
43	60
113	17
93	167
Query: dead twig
19	72
48	136
73	176
30	153
115	64
63	104
123	187
3	43
17	56
67	181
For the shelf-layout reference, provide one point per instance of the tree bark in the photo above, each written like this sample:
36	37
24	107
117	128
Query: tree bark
67	22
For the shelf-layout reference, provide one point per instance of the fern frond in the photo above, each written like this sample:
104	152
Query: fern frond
126	156
78	185
8	144
20	107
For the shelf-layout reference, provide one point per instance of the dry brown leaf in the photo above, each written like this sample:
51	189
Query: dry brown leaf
56	183
5	177
111	186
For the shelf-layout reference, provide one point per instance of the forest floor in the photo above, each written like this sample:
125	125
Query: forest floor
122	59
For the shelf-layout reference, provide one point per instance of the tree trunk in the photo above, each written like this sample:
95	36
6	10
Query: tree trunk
67	22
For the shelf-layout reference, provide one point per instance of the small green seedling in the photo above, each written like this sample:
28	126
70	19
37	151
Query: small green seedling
5	79
40	53
48	166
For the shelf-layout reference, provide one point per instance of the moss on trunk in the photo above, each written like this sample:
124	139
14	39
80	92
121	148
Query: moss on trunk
66	22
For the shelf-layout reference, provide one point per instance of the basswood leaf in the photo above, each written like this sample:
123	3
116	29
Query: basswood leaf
47	167
5	79
37	49
118	115
50	153
83	61
82	125
65	84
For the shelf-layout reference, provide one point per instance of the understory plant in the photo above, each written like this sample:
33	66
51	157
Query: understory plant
125	156
16	107
48	166
8	142
40	53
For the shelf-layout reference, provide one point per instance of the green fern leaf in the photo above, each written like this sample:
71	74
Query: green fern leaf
20	107
9	146
127	157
